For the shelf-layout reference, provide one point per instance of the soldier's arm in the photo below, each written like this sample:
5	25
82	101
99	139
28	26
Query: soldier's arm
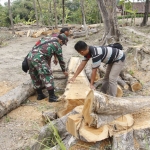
59	55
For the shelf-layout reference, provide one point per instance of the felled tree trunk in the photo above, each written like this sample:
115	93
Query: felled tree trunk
83	33
76	92
15	97
123	141
100	109
47	130
133	82
78	128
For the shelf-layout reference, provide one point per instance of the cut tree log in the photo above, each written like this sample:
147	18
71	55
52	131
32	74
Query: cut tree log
119	80
83	33
76	126
38	33
76	92
123	141
49	115
100	109
47	130
122	83
133	82
29	33
21	33
15	97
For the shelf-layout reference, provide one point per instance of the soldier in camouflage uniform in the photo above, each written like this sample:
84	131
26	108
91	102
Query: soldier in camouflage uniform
39	68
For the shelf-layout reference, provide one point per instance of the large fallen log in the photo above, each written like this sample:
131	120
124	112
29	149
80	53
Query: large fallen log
78	128
15	97
100	109
83	33
76	92
47	130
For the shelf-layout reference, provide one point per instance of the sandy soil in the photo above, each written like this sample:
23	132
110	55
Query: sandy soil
19	128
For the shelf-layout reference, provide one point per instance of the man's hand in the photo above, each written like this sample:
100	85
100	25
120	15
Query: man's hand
72	80
55	61
65	73
92	87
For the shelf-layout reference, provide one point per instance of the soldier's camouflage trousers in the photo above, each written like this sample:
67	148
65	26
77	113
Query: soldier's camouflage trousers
41	73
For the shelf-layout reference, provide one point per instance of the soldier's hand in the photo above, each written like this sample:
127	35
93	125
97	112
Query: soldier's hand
65	73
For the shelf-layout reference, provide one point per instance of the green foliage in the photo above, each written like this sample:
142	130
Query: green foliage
23	12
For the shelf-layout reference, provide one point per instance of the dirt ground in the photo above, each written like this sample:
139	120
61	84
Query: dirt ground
20	127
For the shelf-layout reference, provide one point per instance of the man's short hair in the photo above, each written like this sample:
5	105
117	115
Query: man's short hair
80	46
63	30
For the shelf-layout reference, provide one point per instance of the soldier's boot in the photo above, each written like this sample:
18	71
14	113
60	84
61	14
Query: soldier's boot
52	96
40	94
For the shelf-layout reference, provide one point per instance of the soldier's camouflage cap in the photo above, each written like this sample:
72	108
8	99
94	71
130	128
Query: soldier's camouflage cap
64	38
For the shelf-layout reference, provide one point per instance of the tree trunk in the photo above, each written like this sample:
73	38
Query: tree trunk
76	92
133	82
100	109
36	13
109	15
78	128
46	131
15	97
11	18
55	12
41	14
83	18
145	18
63	17
49	13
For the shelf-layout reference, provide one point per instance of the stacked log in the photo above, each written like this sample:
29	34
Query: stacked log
75	93
104	116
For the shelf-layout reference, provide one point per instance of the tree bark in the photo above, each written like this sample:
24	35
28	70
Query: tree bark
83	18
145	18
10	17
63	18
100	109
76	92
55	12
41	14
83	33
15	97
36	13
46	131
133	82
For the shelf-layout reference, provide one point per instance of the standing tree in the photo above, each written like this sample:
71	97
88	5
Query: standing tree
83	17
63	6
55	12
41	14
36	14
108	12
10	17
145	18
